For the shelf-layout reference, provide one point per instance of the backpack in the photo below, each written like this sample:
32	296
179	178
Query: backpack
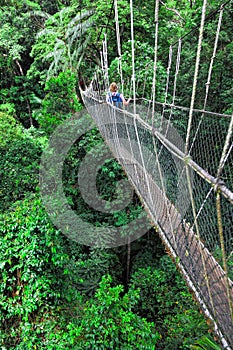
115	98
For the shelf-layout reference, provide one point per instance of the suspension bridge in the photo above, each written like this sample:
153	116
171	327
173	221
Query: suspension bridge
179	160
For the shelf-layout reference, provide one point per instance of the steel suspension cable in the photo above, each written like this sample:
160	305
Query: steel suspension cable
133	56
119	44
155	59
167	81
199	47
134	102
209	74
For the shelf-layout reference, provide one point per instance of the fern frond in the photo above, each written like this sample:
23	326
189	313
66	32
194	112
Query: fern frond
205	344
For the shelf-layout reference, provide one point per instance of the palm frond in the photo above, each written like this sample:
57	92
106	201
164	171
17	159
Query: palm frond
45	32
78	33
38	13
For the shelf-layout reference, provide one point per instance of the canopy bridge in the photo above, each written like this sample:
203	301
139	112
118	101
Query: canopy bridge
179	160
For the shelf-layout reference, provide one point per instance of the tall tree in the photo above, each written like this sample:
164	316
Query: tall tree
18	27
61	44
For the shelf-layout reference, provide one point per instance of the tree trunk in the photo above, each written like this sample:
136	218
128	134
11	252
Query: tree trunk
27	100
128	260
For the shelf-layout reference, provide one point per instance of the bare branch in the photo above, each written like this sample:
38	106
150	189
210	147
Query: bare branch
173	10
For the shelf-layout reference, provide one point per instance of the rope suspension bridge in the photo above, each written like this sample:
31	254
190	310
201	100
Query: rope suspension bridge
179	161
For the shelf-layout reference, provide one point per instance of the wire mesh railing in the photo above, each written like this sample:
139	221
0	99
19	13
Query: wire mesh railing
160	178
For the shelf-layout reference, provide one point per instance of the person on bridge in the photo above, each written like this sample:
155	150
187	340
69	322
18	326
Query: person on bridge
116	98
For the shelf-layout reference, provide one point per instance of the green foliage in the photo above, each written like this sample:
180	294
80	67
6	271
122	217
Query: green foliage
144	70
104	187
89	267
40	274
165	299
19	161
11	40
10	130
19	171
19	24
22	96
48	296
59	103
61	45
104	322
205	344
31	259
107	322
218	255
8	108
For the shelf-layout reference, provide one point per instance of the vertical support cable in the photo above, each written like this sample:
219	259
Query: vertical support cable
133	57
167	82
209	73
213	56
174	89
155	59
153	113
134	104
195	76
105	61
121	73
119	45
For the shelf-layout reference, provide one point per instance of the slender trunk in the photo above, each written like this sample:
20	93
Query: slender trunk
148	237
128	260
27	100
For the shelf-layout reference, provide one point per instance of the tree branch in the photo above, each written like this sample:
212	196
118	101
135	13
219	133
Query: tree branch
173	10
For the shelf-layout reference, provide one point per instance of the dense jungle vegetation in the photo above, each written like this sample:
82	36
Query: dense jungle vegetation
54	292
